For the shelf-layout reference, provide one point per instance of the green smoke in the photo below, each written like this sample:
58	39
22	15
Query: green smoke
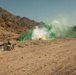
58	30
52	31
26	36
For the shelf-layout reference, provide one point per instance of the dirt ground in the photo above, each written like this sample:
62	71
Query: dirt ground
50	57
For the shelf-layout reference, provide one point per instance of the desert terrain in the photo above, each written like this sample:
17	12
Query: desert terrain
33	57
39	57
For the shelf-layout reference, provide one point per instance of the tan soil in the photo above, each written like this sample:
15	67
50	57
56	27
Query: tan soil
52	57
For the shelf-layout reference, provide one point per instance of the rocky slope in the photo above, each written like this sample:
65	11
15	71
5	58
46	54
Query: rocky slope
12	26
12	23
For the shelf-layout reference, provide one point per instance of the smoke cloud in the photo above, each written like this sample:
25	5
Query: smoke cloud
56	29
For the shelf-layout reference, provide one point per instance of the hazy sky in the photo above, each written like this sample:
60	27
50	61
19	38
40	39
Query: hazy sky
40	9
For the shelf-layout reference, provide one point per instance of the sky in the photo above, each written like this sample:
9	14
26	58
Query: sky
40	10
